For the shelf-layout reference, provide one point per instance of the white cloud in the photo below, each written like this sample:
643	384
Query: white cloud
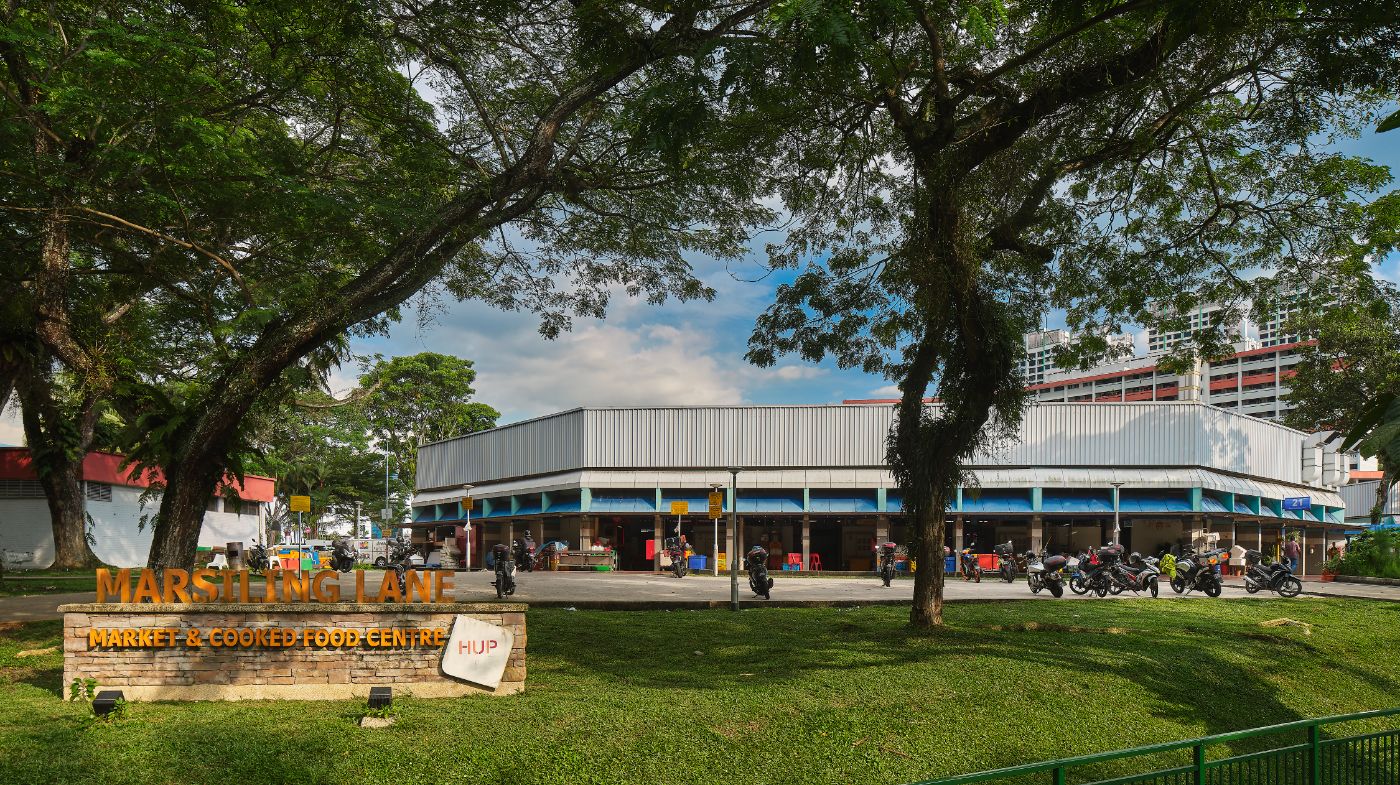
792	373
888	391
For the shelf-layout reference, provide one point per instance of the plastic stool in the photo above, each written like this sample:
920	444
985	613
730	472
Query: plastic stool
815	563
794	562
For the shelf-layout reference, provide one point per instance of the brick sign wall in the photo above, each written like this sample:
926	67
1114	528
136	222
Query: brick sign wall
260	651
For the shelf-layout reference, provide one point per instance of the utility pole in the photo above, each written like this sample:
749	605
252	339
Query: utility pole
734	555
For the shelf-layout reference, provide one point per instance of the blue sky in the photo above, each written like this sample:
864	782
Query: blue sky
678	353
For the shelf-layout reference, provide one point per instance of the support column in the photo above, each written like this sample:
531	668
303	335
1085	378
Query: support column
510	533
1037	527
658	538
806	541
882	530
957	534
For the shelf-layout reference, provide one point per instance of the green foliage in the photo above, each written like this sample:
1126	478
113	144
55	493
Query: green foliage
1372	553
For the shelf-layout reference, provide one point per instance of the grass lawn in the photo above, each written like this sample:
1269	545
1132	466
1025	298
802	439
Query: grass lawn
764	696
14	587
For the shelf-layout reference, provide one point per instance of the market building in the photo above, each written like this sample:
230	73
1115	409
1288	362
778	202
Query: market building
814	486
120	518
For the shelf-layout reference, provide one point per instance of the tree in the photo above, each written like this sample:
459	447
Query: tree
426	397
354	193
955	169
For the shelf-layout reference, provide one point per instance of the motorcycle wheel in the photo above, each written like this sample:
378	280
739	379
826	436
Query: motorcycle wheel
1077	585
1290	587
1251	587
977	575
1116	589
1152	587
1212	589
1008	574
685	570
676	569
886	577
381	562
1056	590
1178	585
1101	590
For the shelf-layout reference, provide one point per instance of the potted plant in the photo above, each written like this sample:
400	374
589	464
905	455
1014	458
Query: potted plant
1330	568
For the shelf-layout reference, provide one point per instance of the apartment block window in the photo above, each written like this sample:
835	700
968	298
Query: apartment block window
213	504
99	491
247	508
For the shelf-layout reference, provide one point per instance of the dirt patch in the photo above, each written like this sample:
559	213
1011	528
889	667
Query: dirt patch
1040	626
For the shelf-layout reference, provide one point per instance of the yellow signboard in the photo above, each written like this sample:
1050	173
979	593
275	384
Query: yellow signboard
680	508
300	504
716	505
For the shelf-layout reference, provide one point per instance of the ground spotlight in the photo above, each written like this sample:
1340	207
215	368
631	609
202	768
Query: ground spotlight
381	697
106	702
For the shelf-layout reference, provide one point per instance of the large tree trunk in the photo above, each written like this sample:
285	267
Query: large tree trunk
189	485
927	610
58	441
1382	496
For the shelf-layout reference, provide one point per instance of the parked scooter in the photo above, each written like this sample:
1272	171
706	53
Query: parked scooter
971	568
1079	568
1137	575
1198	571
887	562
1046	573
257	557
343	555
1098	578
1273	575
400	562
525	553
757	565
1007	567
675	551
505	571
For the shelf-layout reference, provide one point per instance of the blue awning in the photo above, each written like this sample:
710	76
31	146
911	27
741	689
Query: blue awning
996	501
1242	508
843	501
1076	502
1143	502
1212	504
1293	515
1335	516
568	505
611	503
752	503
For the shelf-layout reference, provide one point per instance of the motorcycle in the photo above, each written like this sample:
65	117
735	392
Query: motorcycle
887	562
971	569
675	550
399	562
257	557
343	555
1138	575
1046	573
1080	566
757	565
505	571
1198	571
1099	576
1007	567
525	554
1273	575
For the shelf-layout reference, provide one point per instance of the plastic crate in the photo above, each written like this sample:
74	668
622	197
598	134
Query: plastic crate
950	564
697	562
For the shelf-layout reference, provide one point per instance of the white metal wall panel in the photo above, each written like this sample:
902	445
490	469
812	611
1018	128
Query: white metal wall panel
1360	497
853	437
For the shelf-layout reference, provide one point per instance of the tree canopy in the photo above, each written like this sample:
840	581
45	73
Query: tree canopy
957	169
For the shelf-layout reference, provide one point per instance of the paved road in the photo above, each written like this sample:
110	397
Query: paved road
624	590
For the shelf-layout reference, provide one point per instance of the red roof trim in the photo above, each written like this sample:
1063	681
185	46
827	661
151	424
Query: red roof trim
15	464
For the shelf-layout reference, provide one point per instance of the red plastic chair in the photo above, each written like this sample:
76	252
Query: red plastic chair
815	563
794	560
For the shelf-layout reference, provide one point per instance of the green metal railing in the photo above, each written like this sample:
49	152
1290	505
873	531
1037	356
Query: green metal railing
1365	759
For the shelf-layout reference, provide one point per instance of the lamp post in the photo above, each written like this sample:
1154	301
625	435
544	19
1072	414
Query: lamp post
1116	486
734	537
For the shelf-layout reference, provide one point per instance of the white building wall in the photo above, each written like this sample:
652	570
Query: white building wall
122	537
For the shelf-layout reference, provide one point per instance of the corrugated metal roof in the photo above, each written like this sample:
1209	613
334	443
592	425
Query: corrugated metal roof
706	439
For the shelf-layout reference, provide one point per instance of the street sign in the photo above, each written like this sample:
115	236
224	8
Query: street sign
468	502
680	508
716	505
1297	503
300	504
385	513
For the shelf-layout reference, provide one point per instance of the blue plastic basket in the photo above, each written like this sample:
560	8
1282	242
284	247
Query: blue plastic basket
698	562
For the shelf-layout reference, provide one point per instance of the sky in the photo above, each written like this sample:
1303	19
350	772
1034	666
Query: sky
673	354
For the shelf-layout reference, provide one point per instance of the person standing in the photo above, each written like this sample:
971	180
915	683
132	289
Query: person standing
1291	551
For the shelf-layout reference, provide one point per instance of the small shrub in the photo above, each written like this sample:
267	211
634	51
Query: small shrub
1373	554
